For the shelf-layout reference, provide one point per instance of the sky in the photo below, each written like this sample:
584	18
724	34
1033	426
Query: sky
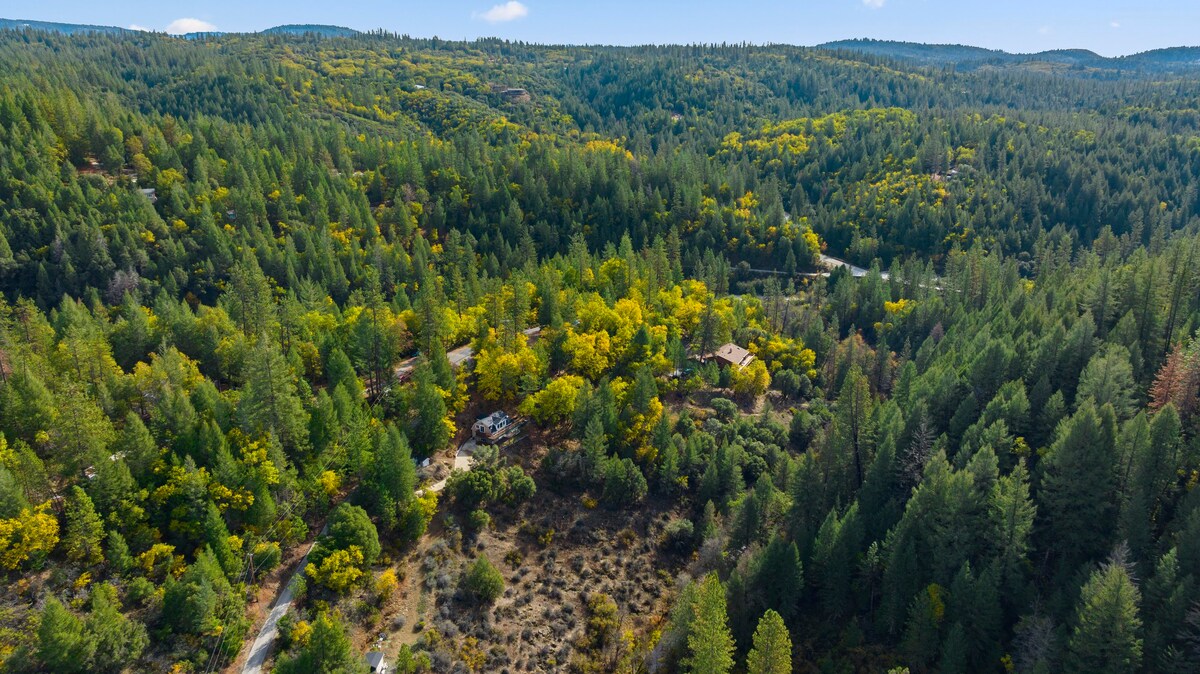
1108	27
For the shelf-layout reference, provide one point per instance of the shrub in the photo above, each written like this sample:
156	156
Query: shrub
478	520
267	556
725	408
679	535
339	571
786	382
471	488
139	591
624	483
518	486
481	581
385	585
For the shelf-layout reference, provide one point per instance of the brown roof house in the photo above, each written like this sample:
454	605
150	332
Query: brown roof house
731	355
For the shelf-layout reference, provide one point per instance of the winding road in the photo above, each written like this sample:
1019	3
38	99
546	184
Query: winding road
463	354
263	643
855	270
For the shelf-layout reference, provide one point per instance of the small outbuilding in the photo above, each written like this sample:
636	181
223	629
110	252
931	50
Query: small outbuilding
377	662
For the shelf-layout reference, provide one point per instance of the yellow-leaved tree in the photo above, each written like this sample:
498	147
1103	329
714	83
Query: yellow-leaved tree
556	402
31	535
589	353
752	380
499	371
340	571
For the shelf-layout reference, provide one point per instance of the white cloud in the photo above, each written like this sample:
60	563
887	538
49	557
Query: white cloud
1115	24
187	25
505	11
134	26
1044	30
874	4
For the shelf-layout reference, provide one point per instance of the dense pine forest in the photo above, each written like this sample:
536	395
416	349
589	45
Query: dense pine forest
256	289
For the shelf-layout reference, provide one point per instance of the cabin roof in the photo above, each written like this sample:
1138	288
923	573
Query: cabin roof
732	354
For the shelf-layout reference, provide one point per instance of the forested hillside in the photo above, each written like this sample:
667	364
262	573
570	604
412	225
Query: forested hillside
249	283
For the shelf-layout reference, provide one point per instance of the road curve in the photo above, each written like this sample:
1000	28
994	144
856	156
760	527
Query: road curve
855	270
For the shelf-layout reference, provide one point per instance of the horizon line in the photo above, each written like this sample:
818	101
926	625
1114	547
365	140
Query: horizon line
748	43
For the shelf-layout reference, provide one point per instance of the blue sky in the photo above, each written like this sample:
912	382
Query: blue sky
1109	27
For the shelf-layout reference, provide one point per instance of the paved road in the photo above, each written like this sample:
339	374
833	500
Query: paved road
270	629
456	357
829	262
855	271
459	356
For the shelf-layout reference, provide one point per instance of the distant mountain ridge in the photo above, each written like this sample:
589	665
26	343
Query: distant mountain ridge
72	28
68	28
1171	58
311	29
1168	59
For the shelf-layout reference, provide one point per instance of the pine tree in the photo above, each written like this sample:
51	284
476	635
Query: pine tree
216	536
269	402
329	651
339	371
1178	381
1108	379
249	298
594	450
1011	516
838	543
392	479
851	433
120	561
429	431
84	533
710	644
772	651
777	577
63	643
1078	494
119	640
1106	636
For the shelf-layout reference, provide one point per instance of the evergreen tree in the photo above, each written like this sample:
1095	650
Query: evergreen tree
84	534
1106	634
1078	494
119	640
328	651
851	441
772	651
1011	516
710	644
1108	379
64	645
340	372
429	431
392	479
269	402
349	526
